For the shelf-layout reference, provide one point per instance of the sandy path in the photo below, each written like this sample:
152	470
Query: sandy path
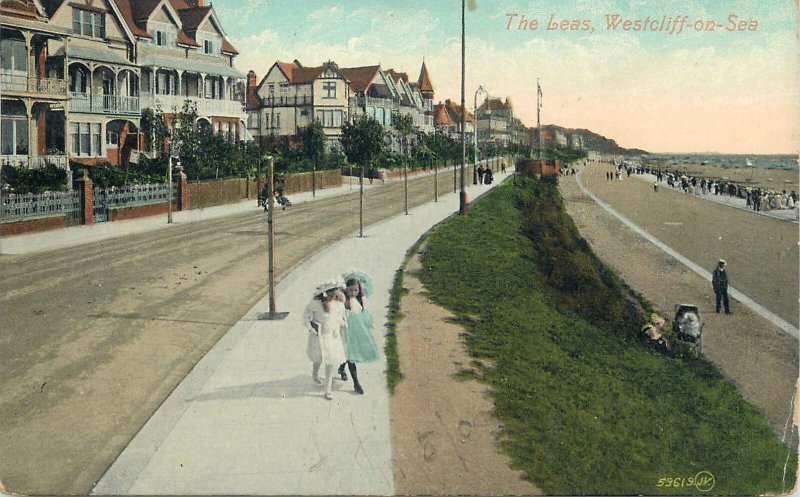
759	358
443	433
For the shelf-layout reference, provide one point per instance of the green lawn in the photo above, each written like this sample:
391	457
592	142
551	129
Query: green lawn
586	407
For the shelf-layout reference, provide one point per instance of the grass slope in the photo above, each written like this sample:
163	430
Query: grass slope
586	406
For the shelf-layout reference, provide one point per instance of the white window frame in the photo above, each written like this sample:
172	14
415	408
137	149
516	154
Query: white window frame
87	136
329	87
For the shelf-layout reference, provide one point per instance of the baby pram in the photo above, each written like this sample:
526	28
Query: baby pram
688	325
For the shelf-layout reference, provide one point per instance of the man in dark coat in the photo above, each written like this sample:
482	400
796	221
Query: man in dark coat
480	174
719	280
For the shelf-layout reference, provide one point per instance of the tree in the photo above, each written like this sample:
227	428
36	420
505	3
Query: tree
404	126
313	138
362	140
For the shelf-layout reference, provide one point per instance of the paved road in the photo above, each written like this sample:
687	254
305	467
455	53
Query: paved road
100	334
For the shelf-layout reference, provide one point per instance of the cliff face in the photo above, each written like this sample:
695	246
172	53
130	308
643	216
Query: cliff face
593	141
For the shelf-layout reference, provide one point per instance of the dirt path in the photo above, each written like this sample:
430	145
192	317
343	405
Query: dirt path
96	337
443	433
757	356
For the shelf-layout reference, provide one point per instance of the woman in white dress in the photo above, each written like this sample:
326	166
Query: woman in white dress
325	319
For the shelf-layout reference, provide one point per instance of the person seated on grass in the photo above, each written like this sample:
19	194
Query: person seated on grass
652	330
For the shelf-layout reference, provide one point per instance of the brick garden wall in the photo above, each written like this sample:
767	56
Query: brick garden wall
32	226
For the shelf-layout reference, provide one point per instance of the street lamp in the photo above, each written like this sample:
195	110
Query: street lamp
475	133
463	201
273	314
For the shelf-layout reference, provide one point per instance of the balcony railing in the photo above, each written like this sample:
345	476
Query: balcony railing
386	103
35	162
205	106
287	101
103	104
20	83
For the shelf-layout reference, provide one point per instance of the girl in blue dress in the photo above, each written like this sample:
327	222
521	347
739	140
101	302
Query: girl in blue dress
359	344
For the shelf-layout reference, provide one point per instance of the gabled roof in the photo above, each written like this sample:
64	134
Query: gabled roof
129	10
424	80
397	76
360	77
495	104
454	112
441	117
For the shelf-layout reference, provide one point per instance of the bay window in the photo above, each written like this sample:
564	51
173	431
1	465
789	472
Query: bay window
14	135
86	139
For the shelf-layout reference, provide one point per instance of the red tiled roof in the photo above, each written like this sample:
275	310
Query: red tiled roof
227	47
424	80
441	117
192	17
397	76
132	10
454	112
297	73
360	77
495	104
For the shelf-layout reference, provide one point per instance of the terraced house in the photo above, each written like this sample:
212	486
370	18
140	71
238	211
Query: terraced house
34	121
383	95
76	76
184	54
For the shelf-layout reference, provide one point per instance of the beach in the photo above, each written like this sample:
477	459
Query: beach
771	179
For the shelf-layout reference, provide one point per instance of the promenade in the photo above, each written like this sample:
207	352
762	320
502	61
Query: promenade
248	418
759	354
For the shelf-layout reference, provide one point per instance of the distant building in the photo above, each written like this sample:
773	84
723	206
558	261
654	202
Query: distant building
447	119
496	125
291	96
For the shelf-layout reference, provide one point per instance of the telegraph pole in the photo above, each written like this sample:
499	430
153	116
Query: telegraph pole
538	116
273	313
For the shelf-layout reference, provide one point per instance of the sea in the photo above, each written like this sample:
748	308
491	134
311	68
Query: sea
788	162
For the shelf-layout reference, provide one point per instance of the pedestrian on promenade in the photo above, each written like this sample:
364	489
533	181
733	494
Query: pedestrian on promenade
480	174
503	167
719	281
359	344
325	319
655	187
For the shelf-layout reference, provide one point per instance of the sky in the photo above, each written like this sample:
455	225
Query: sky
676	87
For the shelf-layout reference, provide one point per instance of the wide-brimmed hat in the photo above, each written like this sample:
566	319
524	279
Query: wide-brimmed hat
366	281
328	286
657	320
722	261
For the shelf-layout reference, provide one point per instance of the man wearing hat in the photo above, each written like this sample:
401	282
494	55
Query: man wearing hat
719	280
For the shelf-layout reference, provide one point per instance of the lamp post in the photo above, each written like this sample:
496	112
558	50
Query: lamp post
475	134
273	314
463	200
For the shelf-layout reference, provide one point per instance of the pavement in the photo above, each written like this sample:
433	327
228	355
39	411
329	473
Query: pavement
249	420
77	235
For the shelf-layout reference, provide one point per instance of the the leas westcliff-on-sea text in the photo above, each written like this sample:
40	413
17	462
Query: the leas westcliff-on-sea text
666	24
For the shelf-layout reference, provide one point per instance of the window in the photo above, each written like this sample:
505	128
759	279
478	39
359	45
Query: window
226	131
330	118
163	38
329	87
277	122
89	23
112	138
208	47
13	55
86	139
14	135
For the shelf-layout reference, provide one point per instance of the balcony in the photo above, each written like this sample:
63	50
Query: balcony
287	101
35	162
104	104
205	106
385	103
21	83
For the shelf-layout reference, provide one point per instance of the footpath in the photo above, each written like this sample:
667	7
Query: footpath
77	235
249	420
